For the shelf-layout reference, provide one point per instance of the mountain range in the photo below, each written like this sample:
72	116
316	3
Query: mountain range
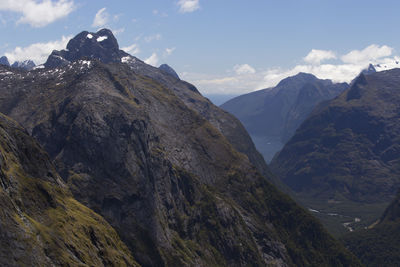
271	116
178	178
26	64
346	153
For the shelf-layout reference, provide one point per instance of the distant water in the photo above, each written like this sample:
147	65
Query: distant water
267	145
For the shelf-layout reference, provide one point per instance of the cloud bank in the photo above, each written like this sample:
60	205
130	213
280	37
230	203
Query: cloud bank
325	64
37	52
38	13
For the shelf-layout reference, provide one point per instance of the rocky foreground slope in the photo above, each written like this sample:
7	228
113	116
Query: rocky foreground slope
41	224
151	155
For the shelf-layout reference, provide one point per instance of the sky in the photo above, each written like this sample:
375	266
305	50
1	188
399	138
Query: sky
222	46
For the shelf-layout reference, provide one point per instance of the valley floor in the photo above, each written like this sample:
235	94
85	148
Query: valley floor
341	217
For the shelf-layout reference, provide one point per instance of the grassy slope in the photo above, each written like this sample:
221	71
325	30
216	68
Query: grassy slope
40	215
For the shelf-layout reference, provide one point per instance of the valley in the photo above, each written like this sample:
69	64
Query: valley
199	133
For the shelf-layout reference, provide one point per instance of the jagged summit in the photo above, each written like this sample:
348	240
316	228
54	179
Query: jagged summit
371	69
4	61
101	45
26	64
166	68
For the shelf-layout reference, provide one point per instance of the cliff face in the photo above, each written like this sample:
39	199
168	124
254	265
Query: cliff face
154	158
41	223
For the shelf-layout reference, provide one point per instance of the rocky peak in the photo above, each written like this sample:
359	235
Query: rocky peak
4	61
298	79
101	45
371	69
166	68
26	64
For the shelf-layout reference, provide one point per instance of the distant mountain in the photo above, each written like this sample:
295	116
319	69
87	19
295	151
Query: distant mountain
348	149
163	165
271	116
379	245
370	70
4	61
41	223
26	64
169	70
101	45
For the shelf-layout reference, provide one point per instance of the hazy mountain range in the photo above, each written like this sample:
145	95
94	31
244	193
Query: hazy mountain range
271	116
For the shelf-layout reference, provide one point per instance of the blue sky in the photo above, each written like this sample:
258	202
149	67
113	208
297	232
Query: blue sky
223	47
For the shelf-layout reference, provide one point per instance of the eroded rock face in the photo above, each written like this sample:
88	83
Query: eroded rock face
41	224
94	46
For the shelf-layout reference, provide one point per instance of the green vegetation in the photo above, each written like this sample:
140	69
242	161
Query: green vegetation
41	213
378	244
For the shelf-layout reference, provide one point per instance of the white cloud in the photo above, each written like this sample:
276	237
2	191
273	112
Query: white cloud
152	60
370	53
350	65
188	6
101	18
37	52
118	31
316	56
154	37
224	84
169	51
132	49
244	69
38	13
345	69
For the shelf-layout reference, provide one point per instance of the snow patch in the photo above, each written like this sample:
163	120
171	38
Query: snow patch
312	210
89	36
85	62
38	67
101	38
6	73
126	59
